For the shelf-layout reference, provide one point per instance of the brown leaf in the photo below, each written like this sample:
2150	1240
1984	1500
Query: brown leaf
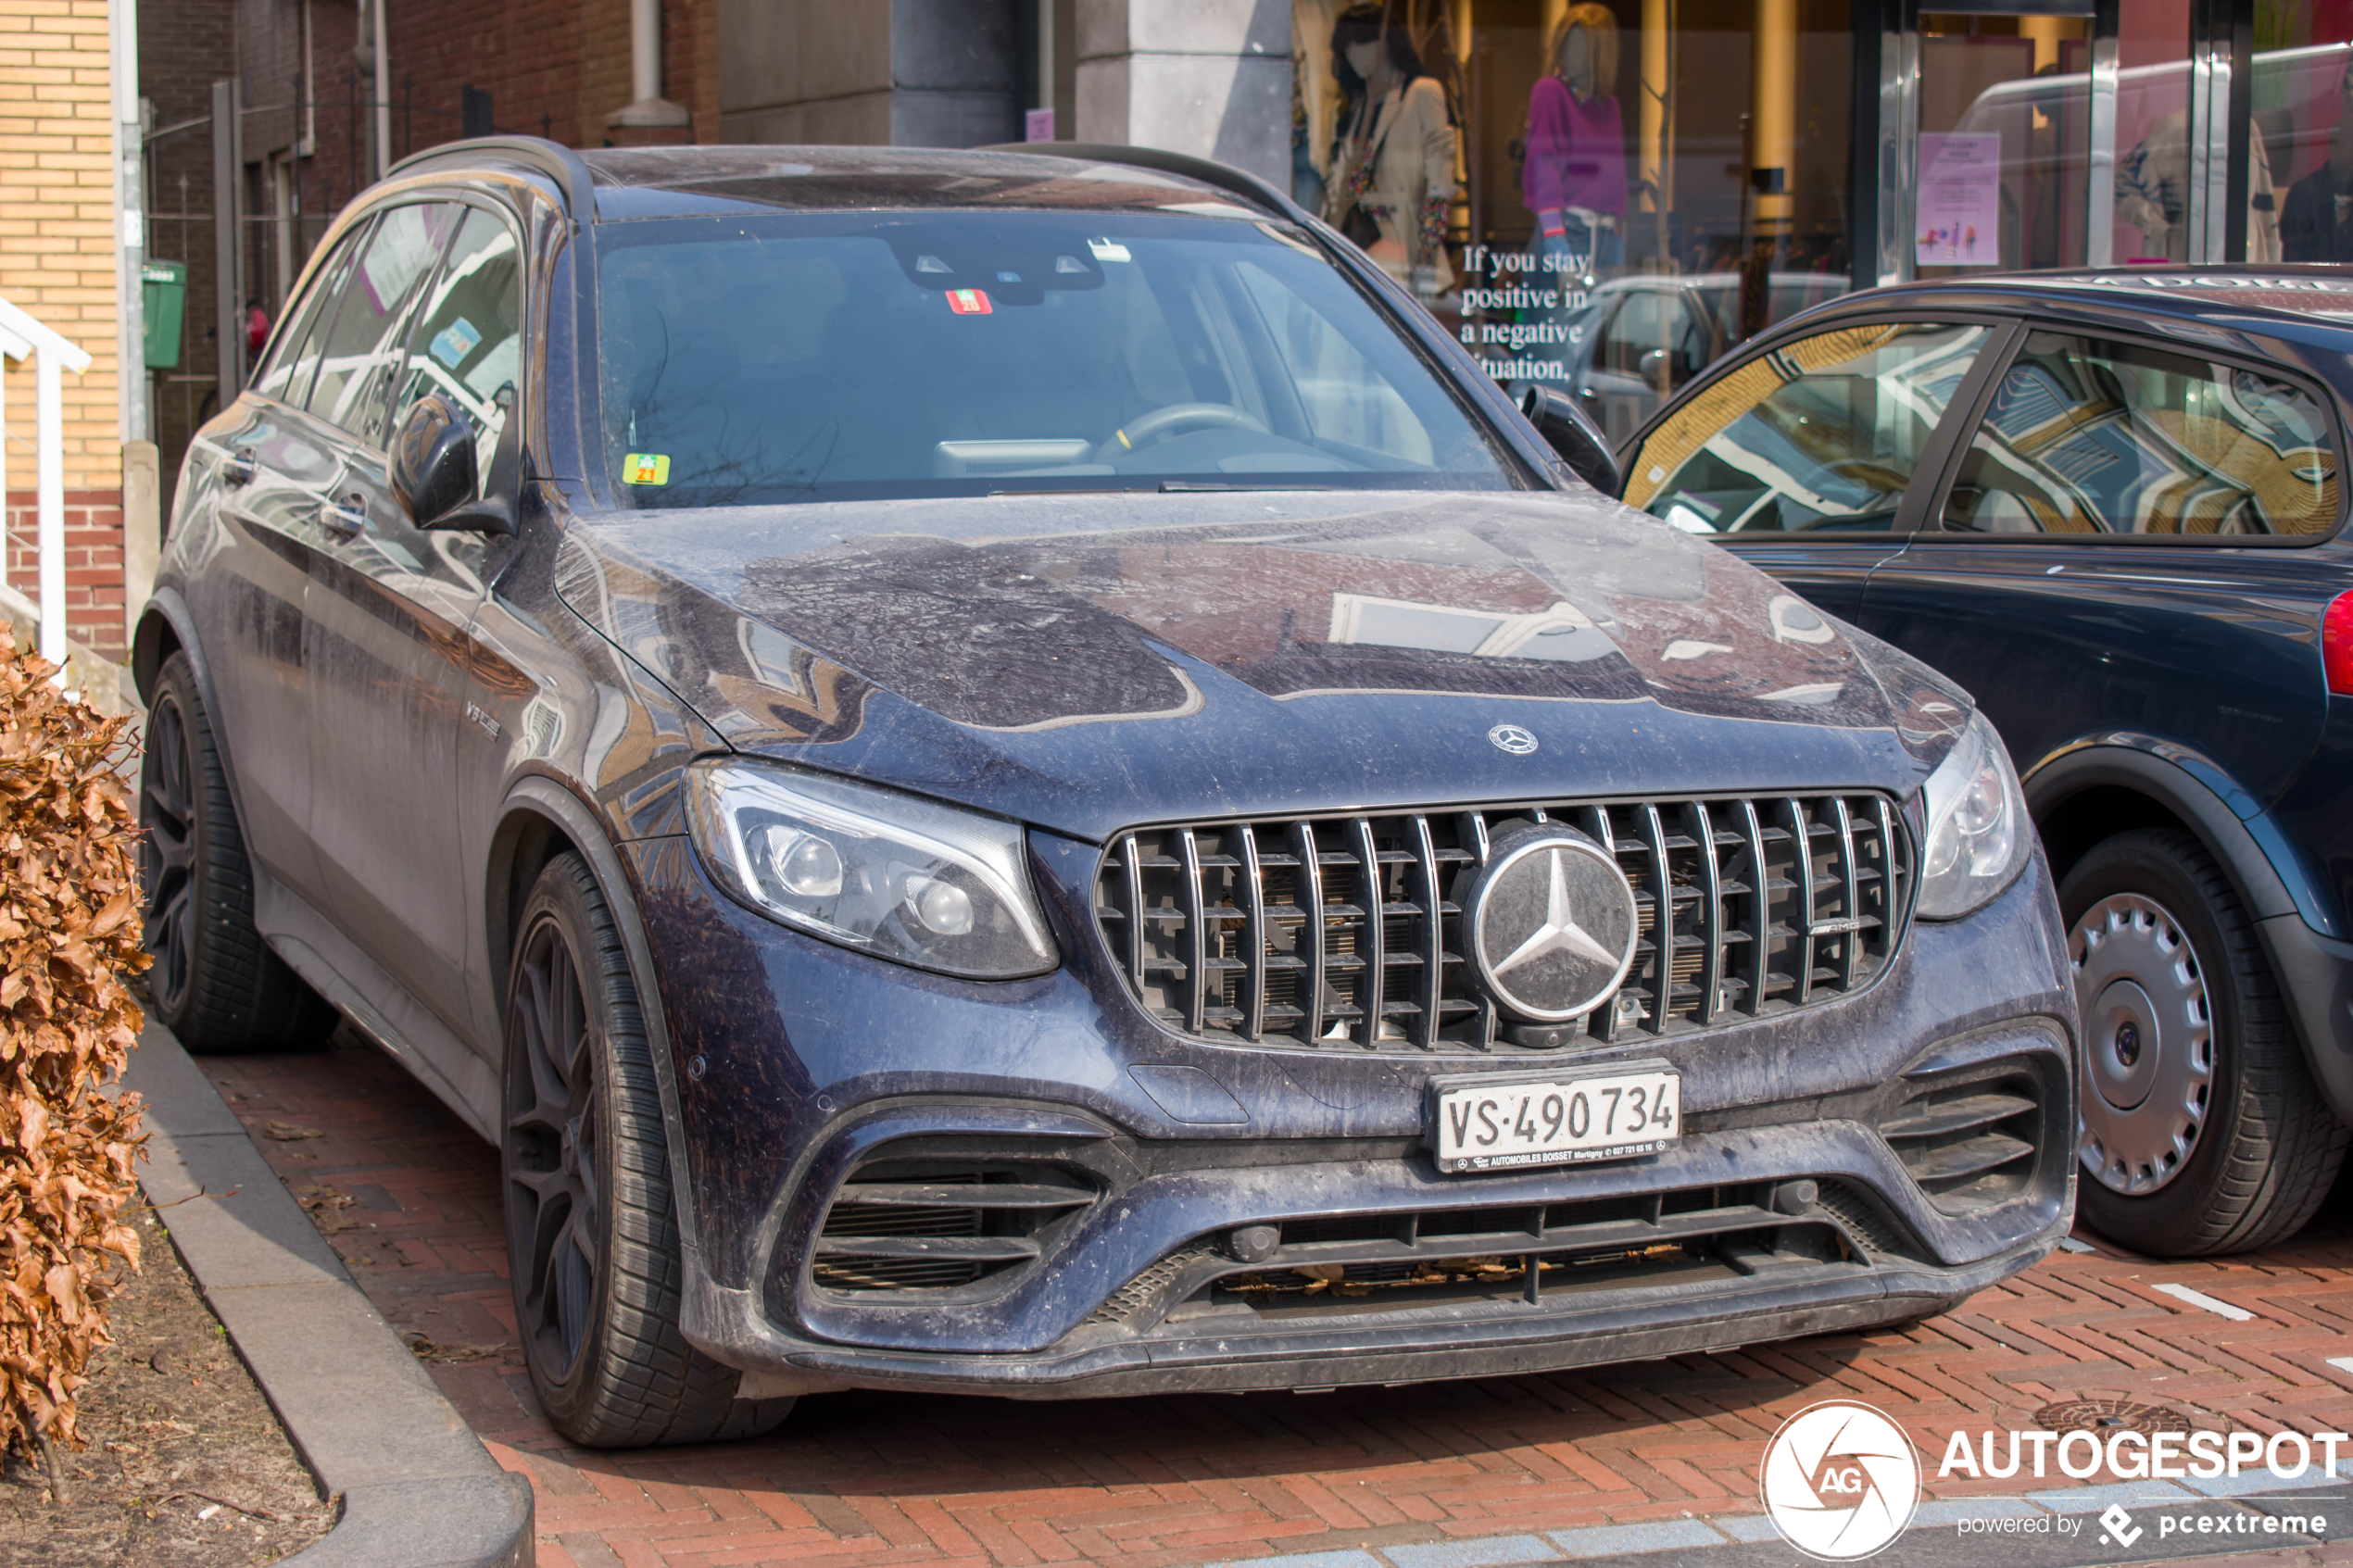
286	1132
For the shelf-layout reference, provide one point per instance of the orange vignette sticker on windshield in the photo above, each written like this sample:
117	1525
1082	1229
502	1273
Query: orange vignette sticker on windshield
968	301
644	468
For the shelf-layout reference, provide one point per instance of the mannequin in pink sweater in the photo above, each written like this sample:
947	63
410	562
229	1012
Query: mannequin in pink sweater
1575	178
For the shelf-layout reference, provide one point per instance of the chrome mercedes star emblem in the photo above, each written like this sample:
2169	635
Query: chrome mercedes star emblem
1512	739
1560	931
1552	922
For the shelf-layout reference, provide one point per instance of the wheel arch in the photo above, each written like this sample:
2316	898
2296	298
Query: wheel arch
166	628
2090	792
539	820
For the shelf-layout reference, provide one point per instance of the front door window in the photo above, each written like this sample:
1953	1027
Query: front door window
1822	433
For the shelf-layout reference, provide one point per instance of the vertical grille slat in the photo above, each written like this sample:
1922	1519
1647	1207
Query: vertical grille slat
1372	936
1308	895
1196	933
1431	985
1702	827
1760	946
1132	885
1250	892
1663	924
1850	945
1803	842
1317	932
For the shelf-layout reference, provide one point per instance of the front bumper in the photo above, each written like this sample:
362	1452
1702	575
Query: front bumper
800	1065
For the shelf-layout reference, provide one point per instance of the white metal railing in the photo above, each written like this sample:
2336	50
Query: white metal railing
22	337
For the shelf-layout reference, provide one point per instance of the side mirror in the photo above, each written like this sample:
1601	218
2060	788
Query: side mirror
436	475
1567	430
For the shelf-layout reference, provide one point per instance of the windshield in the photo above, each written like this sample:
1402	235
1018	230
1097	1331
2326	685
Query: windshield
838	356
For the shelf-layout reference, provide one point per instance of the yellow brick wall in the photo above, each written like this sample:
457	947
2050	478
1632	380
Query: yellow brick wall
57	223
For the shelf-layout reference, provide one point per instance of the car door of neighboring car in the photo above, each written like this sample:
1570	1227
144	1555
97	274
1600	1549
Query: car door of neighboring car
1801	457
2116	550
384	637
248	491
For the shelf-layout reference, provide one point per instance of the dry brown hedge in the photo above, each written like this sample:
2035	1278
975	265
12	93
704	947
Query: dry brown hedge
68	932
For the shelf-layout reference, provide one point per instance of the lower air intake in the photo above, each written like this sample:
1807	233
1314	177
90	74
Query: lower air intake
917	1227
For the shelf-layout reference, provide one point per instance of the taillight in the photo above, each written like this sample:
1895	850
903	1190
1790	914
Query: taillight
2336	644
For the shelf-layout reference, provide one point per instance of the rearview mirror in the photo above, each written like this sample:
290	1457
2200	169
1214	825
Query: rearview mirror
1570	432
436	475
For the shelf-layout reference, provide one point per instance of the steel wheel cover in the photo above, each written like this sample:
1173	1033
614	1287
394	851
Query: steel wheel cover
2148	1042
553	1184
167	852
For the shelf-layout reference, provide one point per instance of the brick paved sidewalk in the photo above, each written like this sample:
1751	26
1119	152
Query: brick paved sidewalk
871	1477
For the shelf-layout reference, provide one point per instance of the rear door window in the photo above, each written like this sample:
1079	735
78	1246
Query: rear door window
363	345
1822	433
2088	437
287	376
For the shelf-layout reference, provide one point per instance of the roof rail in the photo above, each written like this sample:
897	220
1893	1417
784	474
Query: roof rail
1207	170
554	160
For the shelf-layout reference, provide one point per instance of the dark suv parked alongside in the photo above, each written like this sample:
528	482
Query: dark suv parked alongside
2109	506
1005	773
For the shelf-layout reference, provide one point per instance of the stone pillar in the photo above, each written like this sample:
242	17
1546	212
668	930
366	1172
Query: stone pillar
1211	77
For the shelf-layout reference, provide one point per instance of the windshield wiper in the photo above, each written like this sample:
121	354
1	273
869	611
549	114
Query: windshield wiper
1214	486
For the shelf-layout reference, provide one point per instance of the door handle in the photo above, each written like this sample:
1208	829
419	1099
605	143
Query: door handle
347	517
237	467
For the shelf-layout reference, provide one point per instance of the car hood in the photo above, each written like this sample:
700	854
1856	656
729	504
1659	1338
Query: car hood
1088	662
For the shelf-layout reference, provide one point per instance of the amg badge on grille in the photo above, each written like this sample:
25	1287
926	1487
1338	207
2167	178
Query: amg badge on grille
1553	923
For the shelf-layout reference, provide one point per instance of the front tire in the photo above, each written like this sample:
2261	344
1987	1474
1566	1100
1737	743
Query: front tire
215	983
2203	1132
592	1228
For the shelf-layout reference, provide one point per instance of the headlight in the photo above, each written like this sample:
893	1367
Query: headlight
1977	826
871	868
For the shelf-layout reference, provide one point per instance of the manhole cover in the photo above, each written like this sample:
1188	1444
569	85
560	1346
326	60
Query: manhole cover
2103	1416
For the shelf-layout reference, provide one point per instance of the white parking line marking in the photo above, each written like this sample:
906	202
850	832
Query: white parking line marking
2200	1300
2342	1364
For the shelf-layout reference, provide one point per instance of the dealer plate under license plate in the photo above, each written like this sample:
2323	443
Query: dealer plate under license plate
1480	1124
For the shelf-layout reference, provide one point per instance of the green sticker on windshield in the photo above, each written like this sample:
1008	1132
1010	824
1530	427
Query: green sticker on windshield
644	468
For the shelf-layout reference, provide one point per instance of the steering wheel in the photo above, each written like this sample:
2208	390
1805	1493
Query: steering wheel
1162	423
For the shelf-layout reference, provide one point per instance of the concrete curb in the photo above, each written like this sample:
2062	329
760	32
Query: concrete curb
419	1489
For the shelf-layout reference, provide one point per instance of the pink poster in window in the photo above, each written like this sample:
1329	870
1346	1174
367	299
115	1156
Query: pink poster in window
1959	221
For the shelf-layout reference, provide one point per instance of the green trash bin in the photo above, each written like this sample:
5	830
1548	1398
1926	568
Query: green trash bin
163	285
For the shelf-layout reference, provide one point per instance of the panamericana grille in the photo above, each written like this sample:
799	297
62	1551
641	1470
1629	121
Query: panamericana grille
1345	930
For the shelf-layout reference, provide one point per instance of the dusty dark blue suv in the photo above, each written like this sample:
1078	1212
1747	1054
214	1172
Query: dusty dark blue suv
2108	505
1008	772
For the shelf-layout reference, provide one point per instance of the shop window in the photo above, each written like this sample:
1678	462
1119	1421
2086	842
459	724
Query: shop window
1582	141
1824	434
2304	130
2090	438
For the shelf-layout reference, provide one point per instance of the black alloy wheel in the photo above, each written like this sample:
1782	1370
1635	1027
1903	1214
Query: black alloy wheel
215	983
592	1228
2201	1131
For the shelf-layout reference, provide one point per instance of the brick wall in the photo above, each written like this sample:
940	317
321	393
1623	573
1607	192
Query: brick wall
184	47
57	261
552	68
93	562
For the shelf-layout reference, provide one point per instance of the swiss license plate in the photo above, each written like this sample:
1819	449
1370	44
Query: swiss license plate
1625	1110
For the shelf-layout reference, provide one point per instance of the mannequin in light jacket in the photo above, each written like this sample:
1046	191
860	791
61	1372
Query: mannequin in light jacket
1396	153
